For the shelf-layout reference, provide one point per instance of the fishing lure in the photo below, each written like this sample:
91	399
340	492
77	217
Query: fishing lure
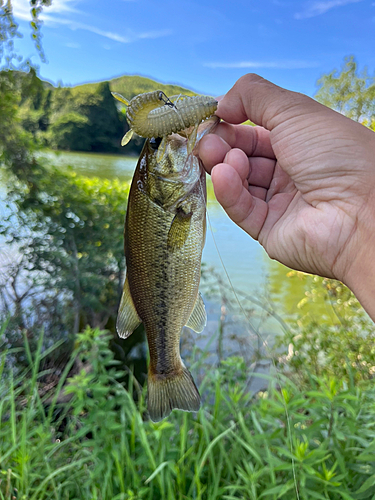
154	114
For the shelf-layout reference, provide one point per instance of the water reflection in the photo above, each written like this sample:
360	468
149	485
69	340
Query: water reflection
292	291
105	166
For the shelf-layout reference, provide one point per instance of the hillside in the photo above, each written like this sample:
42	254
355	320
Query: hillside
83	117
132	85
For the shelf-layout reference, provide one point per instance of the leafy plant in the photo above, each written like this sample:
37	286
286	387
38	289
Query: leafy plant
100	443
344	348
349	92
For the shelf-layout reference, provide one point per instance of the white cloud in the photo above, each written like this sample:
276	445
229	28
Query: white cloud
292	64
154	34
321	7
21	10
72	45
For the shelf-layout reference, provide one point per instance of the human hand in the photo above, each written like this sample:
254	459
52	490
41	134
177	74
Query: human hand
303	183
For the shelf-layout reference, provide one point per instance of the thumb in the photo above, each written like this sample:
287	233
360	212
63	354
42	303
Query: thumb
254	98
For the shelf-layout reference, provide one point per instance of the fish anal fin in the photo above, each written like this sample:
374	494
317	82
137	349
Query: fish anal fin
127	137
179	230
127	318
172	391
198	317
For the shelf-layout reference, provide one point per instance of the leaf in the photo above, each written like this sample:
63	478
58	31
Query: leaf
156	471
279	490
343	494
367	484
212	444
315	494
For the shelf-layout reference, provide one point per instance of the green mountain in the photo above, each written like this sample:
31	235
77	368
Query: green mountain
84	117
130	86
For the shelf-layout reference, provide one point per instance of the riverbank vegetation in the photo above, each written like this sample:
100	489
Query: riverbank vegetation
90	437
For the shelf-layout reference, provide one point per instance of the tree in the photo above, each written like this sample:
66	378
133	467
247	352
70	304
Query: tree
84	118
9	30
68	229
349	92
65	232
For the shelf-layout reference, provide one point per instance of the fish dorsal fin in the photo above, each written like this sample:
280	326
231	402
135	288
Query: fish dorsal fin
179	230
198	317
127	319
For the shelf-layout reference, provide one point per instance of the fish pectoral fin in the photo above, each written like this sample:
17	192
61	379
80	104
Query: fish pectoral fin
198	317
127	137
127	318
179	230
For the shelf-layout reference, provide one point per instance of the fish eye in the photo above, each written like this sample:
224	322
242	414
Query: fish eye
155	142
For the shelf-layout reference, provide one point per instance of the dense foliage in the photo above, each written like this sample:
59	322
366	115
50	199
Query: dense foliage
317	440
343	347
64	235
349	92
81	118
68	230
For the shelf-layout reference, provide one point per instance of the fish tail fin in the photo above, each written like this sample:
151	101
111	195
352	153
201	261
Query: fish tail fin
166	392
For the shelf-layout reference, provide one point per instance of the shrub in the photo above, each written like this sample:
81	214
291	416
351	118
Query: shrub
318	441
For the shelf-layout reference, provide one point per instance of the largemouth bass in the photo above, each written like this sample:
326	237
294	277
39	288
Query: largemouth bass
164	237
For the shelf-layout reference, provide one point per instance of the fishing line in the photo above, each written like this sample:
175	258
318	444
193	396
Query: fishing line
264	343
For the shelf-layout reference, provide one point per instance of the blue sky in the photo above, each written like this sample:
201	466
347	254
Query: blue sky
204	45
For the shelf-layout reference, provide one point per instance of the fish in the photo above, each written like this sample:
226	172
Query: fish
165	229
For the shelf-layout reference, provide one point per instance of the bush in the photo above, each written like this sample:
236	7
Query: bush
344	348
100	444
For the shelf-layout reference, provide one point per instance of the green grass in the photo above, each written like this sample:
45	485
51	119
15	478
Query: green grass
101	445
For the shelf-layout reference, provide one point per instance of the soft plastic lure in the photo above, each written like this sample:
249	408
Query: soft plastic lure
153	114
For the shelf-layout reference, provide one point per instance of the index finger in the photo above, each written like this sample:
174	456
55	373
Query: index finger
264	103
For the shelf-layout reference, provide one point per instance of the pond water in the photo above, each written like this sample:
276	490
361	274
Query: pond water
247	265
242	323
244	258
